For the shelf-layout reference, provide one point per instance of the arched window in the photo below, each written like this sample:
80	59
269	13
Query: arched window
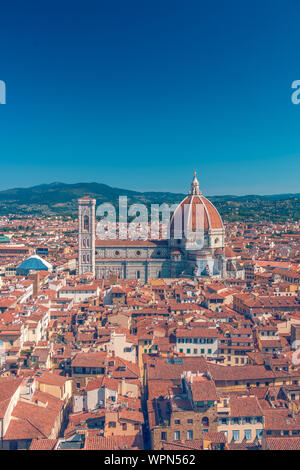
86	223
138	274
83	243
84	258
205	422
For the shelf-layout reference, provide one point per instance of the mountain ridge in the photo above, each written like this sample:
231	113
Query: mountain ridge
103	185
61	199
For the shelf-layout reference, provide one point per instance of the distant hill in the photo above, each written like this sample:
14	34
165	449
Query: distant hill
55	193
61	199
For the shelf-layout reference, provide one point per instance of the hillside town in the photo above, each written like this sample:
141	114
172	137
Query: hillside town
194	361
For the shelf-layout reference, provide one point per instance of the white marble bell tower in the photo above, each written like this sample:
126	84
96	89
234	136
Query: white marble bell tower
86	219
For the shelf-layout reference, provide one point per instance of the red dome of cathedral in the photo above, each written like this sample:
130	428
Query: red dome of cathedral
187	210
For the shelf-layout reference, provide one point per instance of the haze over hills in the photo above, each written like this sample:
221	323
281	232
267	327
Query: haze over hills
61	199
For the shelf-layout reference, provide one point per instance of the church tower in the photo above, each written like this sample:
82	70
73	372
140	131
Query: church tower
86	219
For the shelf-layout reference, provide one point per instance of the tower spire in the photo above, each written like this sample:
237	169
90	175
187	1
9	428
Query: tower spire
195	185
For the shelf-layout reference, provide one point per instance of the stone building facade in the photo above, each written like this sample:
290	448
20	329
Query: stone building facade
188	416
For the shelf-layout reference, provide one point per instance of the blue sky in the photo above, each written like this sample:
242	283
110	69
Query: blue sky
139	94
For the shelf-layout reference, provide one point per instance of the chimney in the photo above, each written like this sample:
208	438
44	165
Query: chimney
36	283
121	386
